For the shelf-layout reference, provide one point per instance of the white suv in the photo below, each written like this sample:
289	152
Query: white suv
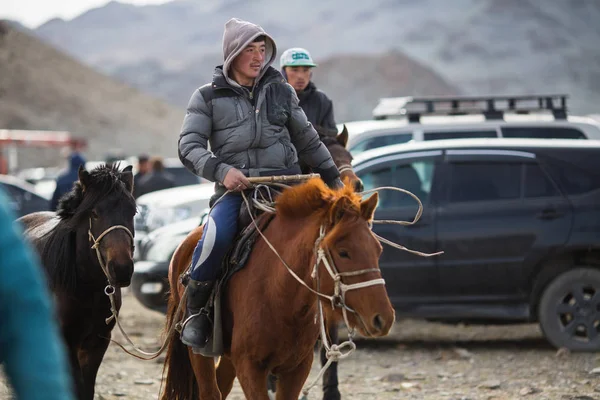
405	119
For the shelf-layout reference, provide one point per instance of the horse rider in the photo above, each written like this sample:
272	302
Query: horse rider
250	116
297	67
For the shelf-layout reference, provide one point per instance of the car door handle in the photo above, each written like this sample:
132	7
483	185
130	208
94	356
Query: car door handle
549	213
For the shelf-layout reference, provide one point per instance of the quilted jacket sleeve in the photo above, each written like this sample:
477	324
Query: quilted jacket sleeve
193	141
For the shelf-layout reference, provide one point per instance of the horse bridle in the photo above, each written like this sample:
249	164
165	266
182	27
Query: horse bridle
109	290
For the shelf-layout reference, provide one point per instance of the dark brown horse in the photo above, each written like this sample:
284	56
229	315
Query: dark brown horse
269	316
96	214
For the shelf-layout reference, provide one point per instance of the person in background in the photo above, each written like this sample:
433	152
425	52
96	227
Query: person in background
31	349
64	182
297	67
143	168
157	179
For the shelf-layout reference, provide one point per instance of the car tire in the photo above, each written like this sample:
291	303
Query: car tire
569	310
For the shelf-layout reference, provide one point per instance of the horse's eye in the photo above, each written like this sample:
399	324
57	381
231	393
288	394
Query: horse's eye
344	254
94	214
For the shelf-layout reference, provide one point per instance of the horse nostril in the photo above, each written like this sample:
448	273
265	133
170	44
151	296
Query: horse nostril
358	186
378	322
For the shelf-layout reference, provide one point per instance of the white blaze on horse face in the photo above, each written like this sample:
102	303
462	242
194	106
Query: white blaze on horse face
210	237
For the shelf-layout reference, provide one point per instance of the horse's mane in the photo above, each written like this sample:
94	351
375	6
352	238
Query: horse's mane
314	196
58	252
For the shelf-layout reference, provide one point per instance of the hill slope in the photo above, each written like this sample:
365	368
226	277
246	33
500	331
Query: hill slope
41	88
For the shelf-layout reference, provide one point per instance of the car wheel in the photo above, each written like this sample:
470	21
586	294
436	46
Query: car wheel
569	310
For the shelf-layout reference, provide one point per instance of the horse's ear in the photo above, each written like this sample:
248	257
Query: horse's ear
126	177
342	138
339	209
367	207
84	177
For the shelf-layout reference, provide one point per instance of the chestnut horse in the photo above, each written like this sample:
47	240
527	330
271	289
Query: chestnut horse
268	316
94	222
336	144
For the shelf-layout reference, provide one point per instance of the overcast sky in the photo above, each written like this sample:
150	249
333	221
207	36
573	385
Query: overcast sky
33	13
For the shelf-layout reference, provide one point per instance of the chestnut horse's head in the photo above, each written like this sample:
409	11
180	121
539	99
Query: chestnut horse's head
351	249
341	156
102	205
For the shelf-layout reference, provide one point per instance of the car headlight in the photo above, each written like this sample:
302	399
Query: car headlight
159	217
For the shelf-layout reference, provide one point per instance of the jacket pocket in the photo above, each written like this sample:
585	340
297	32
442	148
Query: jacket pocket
278	104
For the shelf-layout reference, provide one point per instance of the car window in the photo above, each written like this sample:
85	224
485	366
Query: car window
14	192
380	141
415	177
537	183
484	181
430	135
574	180
539	132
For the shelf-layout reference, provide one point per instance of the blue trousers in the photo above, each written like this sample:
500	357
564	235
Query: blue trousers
219	232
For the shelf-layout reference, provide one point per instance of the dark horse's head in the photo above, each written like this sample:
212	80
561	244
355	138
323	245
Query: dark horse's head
336	144
96	211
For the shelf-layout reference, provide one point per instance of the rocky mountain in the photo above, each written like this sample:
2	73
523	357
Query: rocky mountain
42	88
478	46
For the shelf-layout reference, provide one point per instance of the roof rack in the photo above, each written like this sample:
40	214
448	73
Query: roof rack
492	107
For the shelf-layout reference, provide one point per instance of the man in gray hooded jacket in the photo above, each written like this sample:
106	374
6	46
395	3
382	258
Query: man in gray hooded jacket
250	116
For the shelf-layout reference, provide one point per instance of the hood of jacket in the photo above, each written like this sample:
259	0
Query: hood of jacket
239	34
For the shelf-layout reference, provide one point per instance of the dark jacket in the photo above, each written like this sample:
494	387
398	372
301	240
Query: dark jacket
64	182
31	348
317	107
153	181
258	138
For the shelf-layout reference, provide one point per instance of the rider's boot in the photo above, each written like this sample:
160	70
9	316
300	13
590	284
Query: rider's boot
198	327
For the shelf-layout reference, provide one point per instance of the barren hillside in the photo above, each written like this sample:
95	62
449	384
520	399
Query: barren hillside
42	88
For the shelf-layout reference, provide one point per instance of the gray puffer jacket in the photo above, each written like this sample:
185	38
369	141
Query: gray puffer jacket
262	139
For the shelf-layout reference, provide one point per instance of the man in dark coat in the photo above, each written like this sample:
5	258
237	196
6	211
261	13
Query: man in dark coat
64	182
157	179
296	67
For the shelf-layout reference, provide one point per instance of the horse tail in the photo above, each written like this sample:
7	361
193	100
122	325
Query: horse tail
180	382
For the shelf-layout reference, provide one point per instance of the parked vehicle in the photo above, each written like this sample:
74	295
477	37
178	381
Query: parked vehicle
518	221
149	283
23	196
164	207
405	119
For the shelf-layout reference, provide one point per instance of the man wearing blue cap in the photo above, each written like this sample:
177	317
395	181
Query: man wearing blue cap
296	66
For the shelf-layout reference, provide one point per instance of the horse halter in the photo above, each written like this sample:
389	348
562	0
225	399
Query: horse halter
109	290
340	288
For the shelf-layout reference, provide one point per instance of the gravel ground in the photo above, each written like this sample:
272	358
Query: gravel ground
419	360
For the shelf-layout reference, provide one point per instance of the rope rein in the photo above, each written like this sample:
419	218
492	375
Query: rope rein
110	290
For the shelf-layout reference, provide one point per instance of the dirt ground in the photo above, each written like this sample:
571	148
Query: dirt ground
420	360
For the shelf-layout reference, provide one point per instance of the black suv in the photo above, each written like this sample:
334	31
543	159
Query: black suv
518	221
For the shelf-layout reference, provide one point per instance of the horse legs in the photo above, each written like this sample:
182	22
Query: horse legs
330	378
76	372
253	380
225	376
90	357
289	384
204	371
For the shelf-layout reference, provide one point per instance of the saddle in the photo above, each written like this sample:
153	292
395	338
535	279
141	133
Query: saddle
235	260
